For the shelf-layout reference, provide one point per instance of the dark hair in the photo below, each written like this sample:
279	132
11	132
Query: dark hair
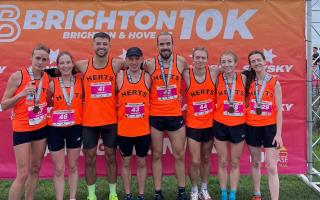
63	53
41	47
164	33
315	48
200	48
102	35
250	73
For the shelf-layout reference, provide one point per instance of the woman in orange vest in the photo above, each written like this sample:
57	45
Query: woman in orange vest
199	120
26	94
264	122
65	124
229	125
133	86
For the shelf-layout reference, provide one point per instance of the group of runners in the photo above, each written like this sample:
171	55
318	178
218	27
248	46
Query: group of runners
131	103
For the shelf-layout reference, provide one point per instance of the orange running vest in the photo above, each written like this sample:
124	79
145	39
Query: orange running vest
61	115
99	96
222	115
165	101
133	108
201	102
22	116
269	107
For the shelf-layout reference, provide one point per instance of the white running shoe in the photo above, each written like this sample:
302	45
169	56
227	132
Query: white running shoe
194	196
204	195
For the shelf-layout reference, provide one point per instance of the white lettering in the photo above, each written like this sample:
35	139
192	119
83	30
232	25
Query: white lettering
79	20
201	27
163	18
125	18
54	19
69	19
101	19
138	20
33	19
234	24
287	107
188	17
2	68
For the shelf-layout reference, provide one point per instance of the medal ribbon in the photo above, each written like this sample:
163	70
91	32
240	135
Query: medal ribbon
233	87
161	62
129	76
259	94
38	92
68	98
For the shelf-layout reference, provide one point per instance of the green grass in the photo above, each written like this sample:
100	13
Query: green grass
291	188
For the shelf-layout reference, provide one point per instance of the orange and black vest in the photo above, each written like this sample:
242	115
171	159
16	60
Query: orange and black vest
221	114
201	102
269	107
99	95
133	108
164	101
23	118
61	115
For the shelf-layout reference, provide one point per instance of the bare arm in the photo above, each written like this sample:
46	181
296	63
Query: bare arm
117	65
149	66
81	66
244	79
8	100
50	94
186	77
278	97
147	80
182	64
119	80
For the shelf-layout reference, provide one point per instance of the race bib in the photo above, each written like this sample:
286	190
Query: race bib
202	107
101	90
266	107
37	118
237	109
134	110
63	117
167	93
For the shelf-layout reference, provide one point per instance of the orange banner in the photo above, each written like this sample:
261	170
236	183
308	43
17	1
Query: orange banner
275	27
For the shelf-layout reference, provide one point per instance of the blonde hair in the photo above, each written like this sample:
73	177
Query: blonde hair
230	53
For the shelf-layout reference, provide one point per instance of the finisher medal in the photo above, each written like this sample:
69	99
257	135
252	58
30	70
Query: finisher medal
36	109
258	111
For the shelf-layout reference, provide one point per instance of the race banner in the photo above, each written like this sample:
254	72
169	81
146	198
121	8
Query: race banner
277	28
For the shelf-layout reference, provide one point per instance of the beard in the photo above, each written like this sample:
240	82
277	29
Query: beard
105	52
165	53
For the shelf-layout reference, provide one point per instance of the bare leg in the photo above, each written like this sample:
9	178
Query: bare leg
236	151
37	149
157	145
255	153
178	141
194	148
59	167
90	166
205	169
22	154
272	155
222	150
110	154
141	173
126	173
73	156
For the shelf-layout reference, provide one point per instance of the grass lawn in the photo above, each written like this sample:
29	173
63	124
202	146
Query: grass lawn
292	188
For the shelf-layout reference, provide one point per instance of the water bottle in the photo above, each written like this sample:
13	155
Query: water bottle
30	99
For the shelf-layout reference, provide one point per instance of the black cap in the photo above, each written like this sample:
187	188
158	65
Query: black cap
134	51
